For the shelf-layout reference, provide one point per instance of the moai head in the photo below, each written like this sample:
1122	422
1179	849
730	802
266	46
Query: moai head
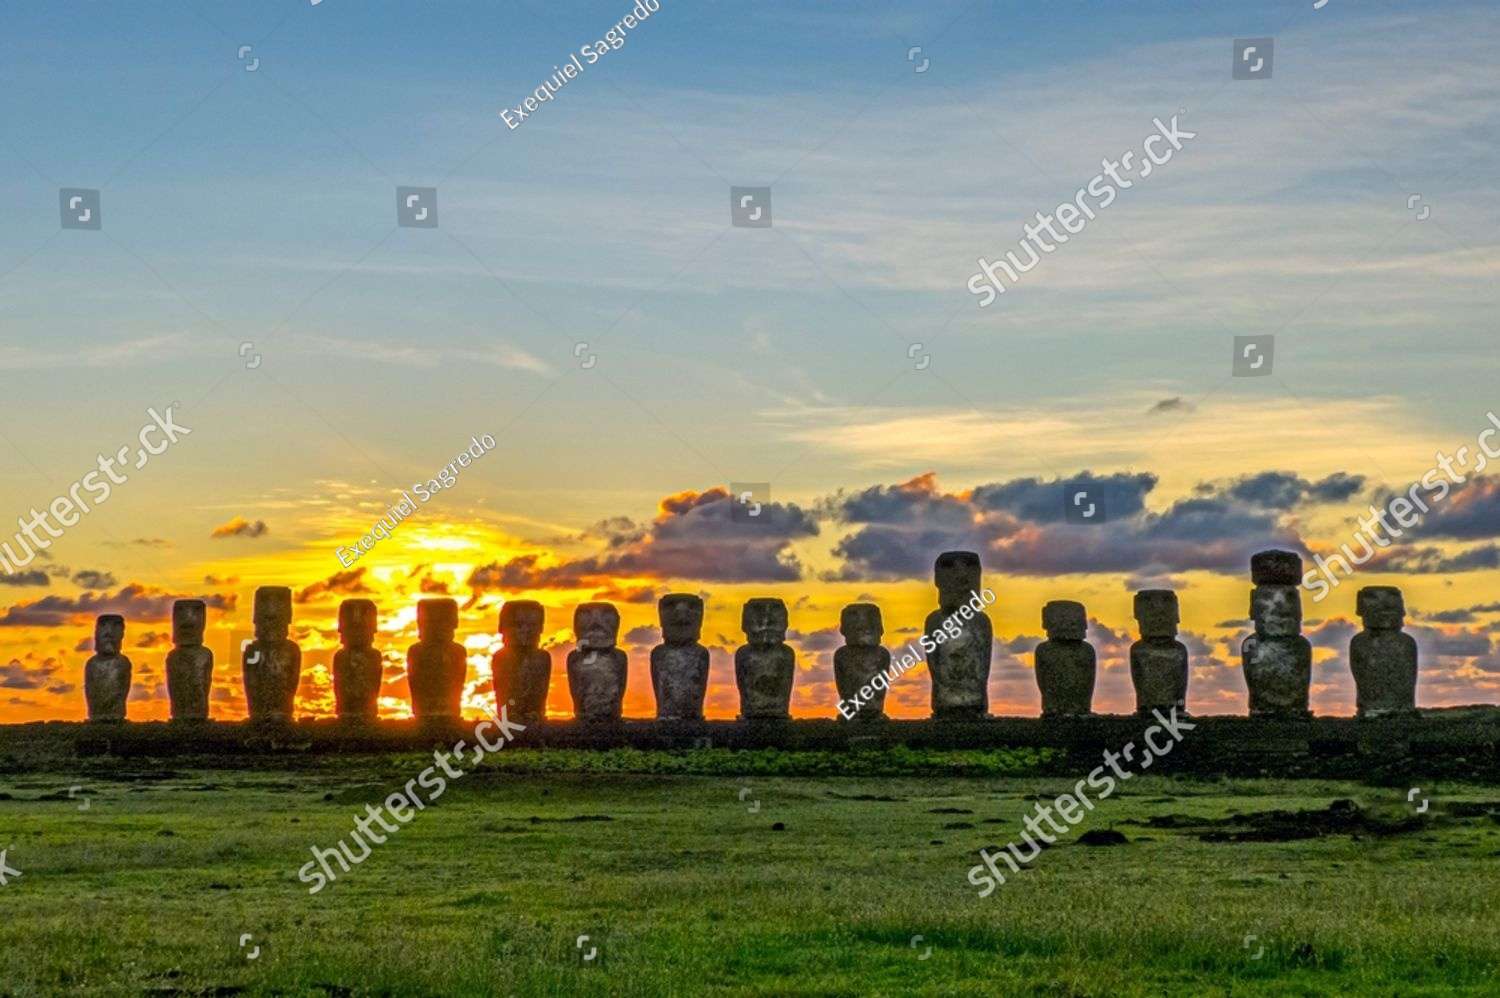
521	623
1065	620
1276	610
273	613
1156	613
596	625
1276	568
957	576
764	621
357	621
437	620
109	633
861	625
189	618
681	618
1381	608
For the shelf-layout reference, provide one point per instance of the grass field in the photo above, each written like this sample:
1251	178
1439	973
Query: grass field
737	873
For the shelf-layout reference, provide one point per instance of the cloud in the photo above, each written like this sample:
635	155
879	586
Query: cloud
15	676
90	579
32	578
1174	404
135	602
240	527
350	583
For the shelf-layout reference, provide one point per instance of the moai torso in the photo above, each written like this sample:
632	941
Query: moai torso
1277	659
679	665
960	664
862	659
1065	662
436	665
1383	657
272	663
357	666
597	670
190	666
106	676
522	670
765	667
1158	661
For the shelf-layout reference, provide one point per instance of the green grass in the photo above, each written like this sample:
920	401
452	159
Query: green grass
687	889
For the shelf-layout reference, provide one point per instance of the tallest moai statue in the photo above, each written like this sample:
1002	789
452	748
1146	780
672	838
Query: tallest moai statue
959	639
1277	659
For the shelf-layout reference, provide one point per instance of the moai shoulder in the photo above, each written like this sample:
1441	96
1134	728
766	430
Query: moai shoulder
357	667
861	668
1158	661
522	669
597	670
765	667
679	665
1066	665
106	675
190	665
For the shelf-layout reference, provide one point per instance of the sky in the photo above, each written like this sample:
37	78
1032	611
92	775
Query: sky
585	300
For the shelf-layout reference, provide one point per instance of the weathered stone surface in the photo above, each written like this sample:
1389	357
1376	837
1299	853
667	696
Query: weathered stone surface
1276	568
357	666
960	664
106	675
766	666
1065	663
1383	657
1158	661
597	670
522	669
862	659
436	665
679	665
190	666
272	662
1277	659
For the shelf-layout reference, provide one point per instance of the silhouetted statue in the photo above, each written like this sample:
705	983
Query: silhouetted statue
522	669
436	665
861	659
272	662
765	667
190	666
357	667
960	662
106	675
1065	662
679	665
1383	657
1158	661
597	670
1277	659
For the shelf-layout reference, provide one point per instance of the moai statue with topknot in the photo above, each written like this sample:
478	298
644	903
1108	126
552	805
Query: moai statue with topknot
1383	657
436	665
106	676
861	659
190	666
679	665
522	669
960	662
1065	662
765	667
597	670
272	662
1277	659
1158	661
357	666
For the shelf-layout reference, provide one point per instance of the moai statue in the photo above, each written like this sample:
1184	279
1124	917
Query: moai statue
436	665
1383	657
597	670
1065	662
106	676
861	659
765	667
679	665
1158	662
960	664
522	670
357	667
190	666
272	662
1277	659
